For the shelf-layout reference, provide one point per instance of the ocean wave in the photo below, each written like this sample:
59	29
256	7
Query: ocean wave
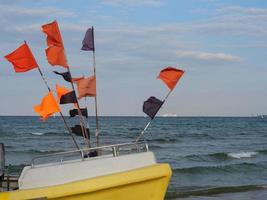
47	133
264	151
35	151
223	156
134	129
164	140
37	133
44	151
154	146
208	157
213	191
221	168
242	154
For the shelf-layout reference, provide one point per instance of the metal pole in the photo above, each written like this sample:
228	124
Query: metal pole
143	131
96	113
62	117
84	131
83	124
69	130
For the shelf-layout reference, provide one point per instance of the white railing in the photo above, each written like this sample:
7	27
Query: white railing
83	154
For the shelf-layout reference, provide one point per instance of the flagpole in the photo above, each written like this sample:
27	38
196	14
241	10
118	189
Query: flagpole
54	25
83	125
96	113
147	125
143	131
61	115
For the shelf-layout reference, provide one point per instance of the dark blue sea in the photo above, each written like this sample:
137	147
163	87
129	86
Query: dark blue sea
212	158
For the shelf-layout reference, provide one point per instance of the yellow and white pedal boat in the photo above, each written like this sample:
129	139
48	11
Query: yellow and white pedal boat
124	171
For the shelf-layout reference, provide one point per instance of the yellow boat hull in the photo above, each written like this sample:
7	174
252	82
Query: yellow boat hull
147	183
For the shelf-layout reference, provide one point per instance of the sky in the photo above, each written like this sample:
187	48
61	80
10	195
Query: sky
221	45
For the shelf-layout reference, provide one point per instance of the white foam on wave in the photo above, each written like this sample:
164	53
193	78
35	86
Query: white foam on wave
242	154
37	133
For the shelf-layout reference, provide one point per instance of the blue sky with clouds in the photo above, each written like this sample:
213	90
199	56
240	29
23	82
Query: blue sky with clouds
221	44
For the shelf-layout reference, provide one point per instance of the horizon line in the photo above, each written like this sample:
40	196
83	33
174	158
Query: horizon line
143	116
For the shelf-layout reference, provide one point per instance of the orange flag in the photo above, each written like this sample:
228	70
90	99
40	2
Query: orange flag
86	86
55	52
61	91
47	107
22	59
170	76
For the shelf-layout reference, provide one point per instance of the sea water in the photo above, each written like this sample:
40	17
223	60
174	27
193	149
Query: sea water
212	158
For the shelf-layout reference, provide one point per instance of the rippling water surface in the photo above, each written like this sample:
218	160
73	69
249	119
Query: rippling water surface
212	158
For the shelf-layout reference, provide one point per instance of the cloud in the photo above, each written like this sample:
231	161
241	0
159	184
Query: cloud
135	47
6	10
228	21
230	26
33	28
205	56
138	46
237	10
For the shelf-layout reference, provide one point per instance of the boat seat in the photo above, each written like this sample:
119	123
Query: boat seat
91	154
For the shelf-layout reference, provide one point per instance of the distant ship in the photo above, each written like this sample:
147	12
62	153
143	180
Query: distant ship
170	115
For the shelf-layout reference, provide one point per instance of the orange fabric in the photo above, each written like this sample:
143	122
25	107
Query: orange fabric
61	91
22	59
53	34
55	52
170	76
86	87
47	107
77	79
56	56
